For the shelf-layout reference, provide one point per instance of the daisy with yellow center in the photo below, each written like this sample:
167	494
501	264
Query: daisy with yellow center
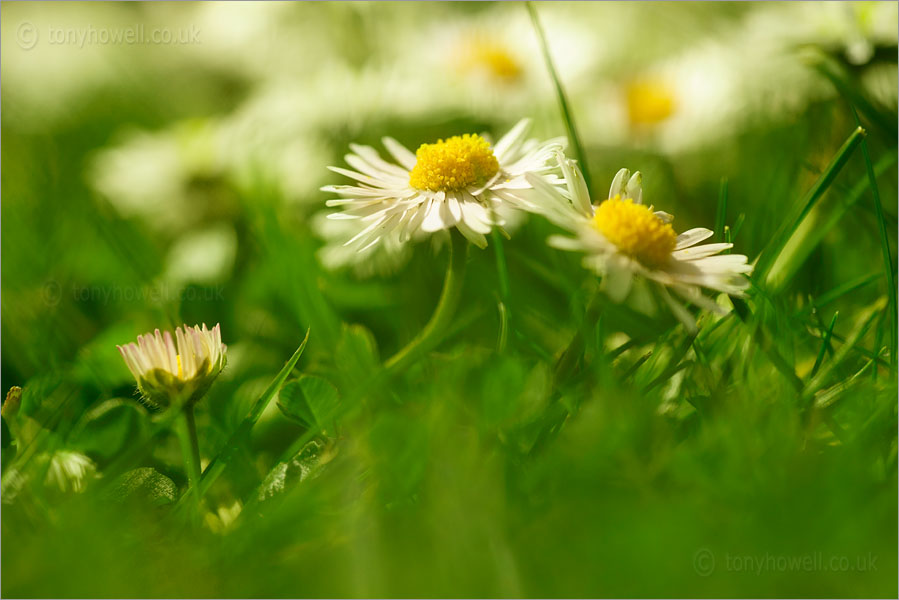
167	373
622	238
460	182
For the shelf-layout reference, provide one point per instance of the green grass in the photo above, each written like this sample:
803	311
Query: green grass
480	423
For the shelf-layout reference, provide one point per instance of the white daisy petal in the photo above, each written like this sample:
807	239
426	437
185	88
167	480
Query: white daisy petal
634	188
692	237
475	216
577	187
433	220
698	252
474	237
618	279
511	139
399	152
618	183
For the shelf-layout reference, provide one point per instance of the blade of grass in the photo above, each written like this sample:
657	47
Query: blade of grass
829	397
567	117
884	247
838	292
230	448
633	368
831	218
861	350
767	346
819	380
721	215
770	253
677	363
825	345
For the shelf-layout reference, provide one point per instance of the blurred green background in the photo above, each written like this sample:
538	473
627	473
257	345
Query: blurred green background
161	165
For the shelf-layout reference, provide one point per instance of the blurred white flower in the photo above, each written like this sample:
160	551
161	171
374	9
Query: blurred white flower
621	238
151	175
204	256
168	375
490	64
70	471
458	182
746	71
66	471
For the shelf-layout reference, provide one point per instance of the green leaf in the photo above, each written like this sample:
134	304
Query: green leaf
356	358
287	474
144	485
311	400
106	429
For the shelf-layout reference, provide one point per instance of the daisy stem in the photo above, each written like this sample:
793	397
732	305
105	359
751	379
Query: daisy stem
502	271
575	349
234	443
190	449
570	127
429	336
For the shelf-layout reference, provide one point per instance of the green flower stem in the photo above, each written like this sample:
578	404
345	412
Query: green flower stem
568	359
190	449
502	271
429	336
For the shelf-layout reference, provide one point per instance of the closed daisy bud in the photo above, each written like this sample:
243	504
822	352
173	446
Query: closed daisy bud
175	371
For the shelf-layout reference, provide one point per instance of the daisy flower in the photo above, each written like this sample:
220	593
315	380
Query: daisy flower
167	374
460	182
622	238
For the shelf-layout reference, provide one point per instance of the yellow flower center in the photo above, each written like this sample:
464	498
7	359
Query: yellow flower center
180	370
492	58
635	231
649	101
453	164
